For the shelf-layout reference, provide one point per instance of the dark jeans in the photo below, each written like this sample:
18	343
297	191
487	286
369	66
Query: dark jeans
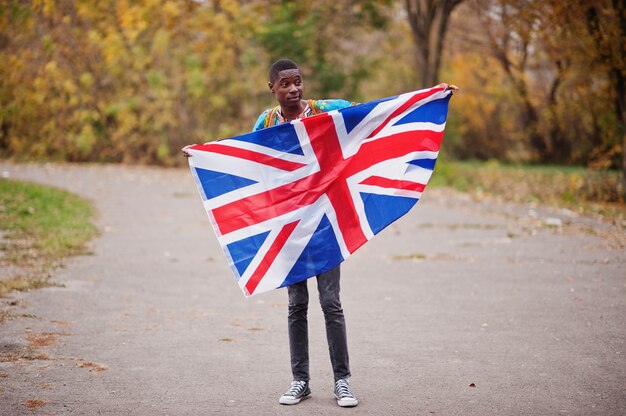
328	287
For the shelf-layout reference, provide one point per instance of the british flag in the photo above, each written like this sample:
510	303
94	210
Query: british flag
295	200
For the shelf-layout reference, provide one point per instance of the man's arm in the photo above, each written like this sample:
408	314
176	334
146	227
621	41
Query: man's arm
333	104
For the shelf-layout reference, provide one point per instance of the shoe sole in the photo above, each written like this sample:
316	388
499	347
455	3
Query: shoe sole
346	404
293	401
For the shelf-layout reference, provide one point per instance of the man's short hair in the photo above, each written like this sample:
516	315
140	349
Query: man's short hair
281	65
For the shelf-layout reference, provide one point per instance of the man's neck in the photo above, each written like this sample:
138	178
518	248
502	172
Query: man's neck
292	113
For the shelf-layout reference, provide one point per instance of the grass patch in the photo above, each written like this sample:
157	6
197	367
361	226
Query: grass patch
413	256
24	283
40	227
584	190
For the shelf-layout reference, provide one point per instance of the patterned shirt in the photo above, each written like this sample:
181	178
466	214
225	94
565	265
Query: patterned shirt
273	116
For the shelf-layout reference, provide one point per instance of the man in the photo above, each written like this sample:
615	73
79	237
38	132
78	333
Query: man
285	82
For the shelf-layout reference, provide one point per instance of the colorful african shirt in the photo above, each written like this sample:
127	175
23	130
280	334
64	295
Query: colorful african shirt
273	116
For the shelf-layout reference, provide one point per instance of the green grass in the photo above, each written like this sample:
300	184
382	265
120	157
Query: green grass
413	256
40	227
583	190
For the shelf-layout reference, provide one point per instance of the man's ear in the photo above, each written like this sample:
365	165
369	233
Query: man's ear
271	85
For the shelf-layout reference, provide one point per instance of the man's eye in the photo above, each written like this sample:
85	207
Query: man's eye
284	84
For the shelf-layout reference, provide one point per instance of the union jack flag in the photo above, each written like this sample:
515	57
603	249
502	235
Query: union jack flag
295	200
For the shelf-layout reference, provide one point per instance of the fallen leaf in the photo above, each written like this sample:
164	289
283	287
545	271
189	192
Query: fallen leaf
93	367
34	403
256	329
44	339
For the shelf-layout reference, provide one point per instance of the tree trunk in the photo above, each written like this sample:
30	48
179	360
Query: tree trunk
615	67
429	22
560	148
618	72
620	110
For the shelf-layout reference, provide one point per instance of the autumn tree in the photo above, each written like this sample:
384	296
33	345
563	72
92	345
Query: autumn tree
537	84
127	81
510	27
133	81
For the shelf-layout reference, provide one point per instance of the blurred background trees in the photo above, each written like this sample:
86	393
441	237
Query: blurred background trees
550	74
133	81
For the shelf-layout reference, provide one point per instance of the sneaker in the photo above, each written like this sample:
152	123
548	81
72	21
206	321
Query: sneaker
345	397
298	391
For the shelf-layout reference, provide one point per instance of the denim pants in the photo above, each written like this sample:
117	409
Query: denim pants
328	287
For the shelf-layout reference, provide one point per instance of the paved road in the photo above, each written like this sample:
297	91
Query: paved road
457	294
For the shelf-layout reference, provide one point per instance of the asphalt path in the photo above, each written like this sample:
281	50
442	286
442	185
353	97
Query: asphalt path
462	307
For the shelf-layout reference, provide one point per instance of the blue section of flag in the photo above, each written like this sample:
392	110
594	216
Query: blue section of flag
382	210
218	183
321	254
431	112
424	163
282	138
243	251
353	117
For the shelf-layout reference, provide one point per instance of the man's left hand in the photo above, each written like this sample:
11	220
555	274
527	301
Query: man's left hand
185	152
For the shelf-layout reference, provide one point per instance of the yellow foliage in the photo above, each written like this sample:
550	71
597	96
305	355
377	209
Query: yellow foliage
85	140
69	87
160	42
73	101
51	67
48	6
171	9
94	37
86	79
135	80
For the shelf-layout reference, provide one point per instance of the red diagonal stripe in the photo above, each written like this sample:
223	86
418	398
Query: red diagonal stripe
393	183
405	106
348	219
250	155
392	147
270	256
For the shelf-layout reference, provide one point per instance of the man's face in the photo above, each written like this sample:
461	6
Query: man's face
288	88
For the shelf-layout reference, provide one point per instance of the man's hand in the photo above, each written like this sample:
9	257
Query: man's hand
185	152
451	87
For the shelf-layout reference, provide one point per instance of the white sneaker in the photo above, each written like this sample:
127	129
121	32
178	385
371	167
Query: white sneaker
298	391
343	394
